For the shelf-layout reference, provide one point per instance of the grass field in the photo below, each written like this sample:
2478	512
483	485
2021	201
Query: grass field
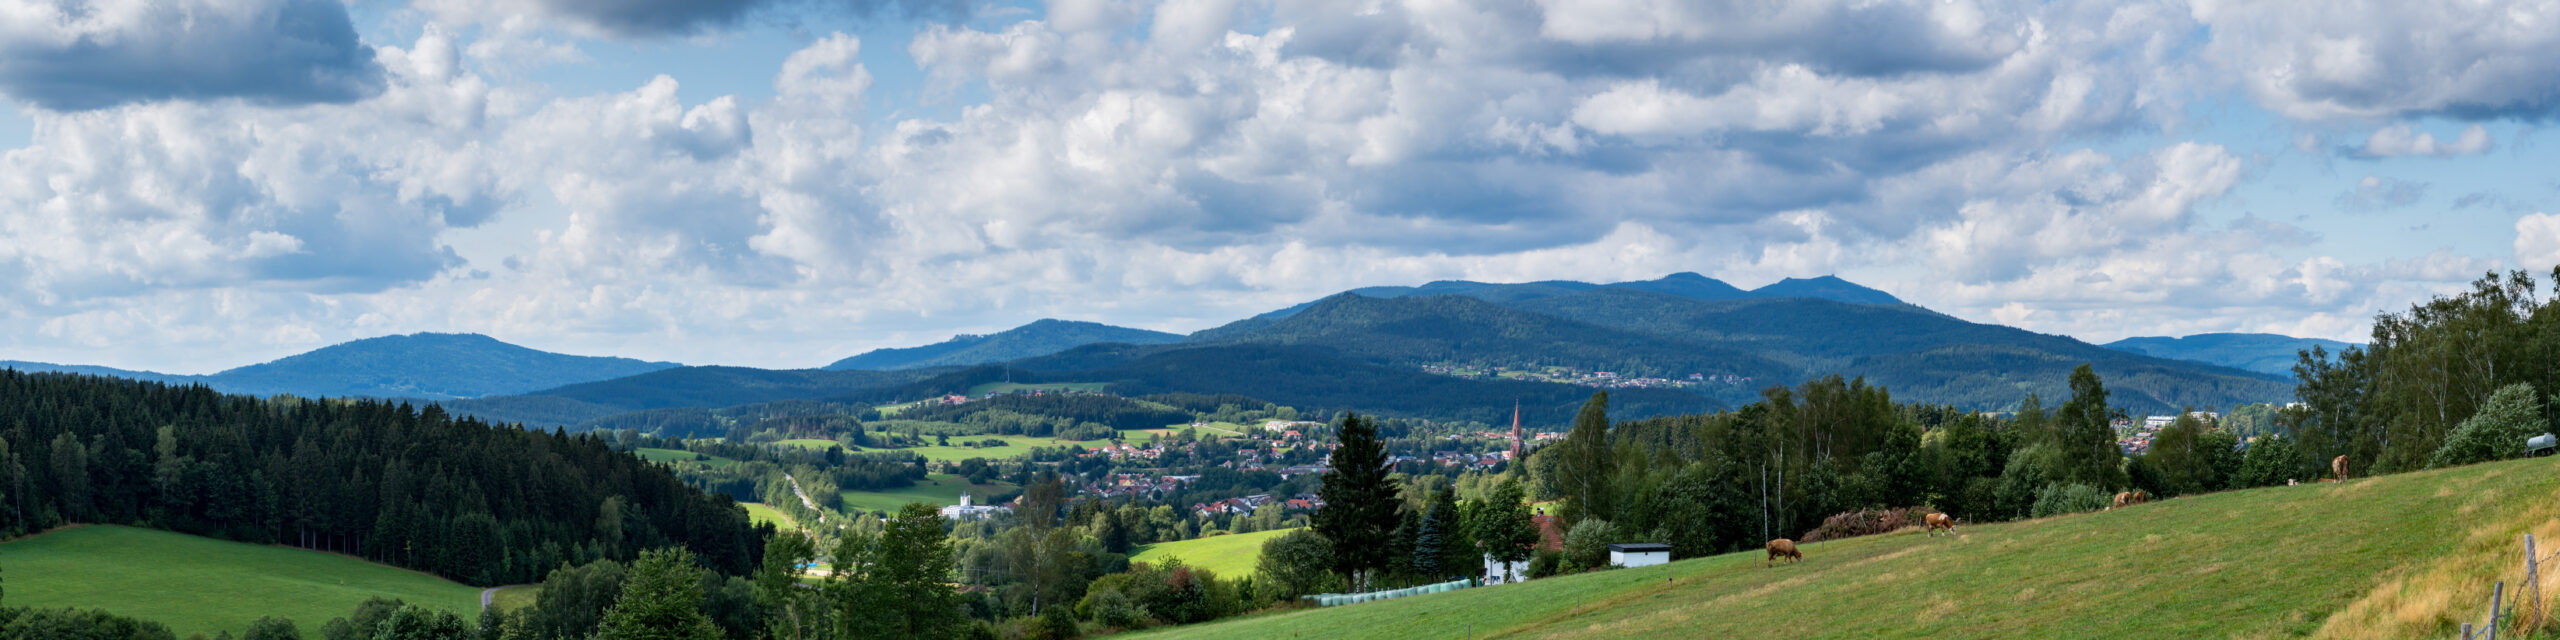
2398	556
816	444
1014	446
681	457
201	585
1010	387
761	512
1230	556
937	489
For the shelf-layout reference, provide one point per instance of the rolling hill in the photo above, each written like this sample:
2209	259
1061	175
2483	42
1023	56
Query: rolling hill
206	586
2399	556
430	366
1039	338
2261	352
704	387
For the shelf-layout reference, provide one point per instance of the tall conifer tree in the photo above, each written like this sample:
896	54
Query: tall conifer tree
1359	514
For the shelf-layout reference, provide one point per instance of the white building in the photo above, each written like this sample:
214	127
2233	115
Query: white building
1639	554
1499	572
965	511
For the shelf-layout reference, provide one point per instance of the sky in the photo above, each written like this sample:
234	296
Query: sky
192	185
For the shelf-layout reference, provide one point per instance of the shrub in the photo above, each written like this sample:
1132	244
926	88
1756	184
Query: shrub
2497	432
2061	498
1547	562
1865	522
1587	544
1297	564
1055	623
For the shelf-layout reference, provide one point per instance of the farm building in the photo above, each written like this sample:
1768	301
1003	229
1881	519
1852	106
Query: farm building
1639	554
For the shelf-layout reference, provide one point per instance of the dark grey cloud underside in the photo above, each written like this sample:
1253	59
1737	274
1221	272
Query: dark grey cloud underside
296	52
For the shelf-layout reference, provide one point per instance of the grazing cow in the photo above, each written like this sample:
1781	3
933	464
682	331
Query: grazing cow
2339	465
1782	547
2130	498
1941	521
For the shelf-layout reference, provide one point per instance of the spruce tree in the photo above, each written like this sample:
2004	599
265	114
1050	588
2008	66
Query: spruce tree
1359	514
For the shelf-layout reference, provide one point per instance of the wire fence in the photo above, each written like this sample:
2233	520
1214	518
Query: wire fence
2531	613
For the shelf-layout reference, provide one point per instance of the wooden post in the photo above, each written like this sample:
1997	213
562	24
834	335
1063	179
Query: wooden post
2497	602
2532	587
2466	631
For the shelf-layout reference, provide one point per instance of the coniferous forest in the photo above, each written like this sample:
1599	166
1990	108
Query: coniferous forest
459	498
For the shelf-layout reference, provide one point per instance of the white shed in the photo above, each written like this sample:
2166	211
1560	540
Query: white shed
1639	554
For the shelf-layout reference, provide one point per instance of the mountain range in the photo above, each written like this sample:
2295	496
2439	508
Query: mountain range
2260	352
1040	338
1365	349
431	366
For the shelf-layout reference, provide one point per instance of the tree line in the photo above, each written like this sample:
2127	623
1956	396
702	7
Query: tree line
389	482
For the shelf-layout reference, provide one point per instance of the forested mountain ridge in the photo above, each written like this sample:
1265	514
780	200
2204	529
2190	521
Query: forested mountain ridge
1415	330
1039	338
387	482
2261	352
433	366
704	387
1684	284
1921	355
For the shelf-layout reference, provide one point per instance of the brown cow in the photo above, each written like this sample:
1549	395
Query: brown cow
2130	498
1782	547
1938	521
2339	465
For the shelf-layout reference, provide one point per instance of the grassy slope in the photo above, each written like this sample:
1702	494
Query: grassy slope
1230	556
761	512
201	585
937	489
2396	556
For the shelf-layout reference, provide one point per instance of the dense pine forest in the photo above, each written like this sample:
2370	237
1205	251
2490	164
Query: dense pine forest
416	488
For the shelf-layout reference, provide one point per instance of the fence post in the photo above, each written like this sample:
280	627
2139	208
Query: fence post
2497	603
2466	631
2532	587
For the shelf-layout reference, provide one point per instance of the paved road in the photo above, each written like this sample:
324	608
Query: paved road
804	498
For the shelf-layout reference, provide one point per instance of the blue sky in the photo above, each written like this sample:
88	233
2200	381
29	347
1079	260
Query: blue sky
190	185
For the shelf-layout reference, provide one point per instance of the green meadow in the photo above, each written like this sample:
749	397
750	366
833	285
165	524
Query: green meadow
940	489
1233	555
206	586
2401	556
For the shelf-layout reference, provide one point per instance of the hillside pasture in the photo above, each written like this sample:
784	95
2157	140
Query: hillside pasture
939	489
2399	556
763	513
813	444
206	586
1235	555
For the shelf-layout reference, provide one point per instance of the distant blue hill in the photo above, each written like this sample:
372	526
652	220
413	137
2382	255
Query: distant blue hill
432	366
1683	284
1040	338
2260	352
